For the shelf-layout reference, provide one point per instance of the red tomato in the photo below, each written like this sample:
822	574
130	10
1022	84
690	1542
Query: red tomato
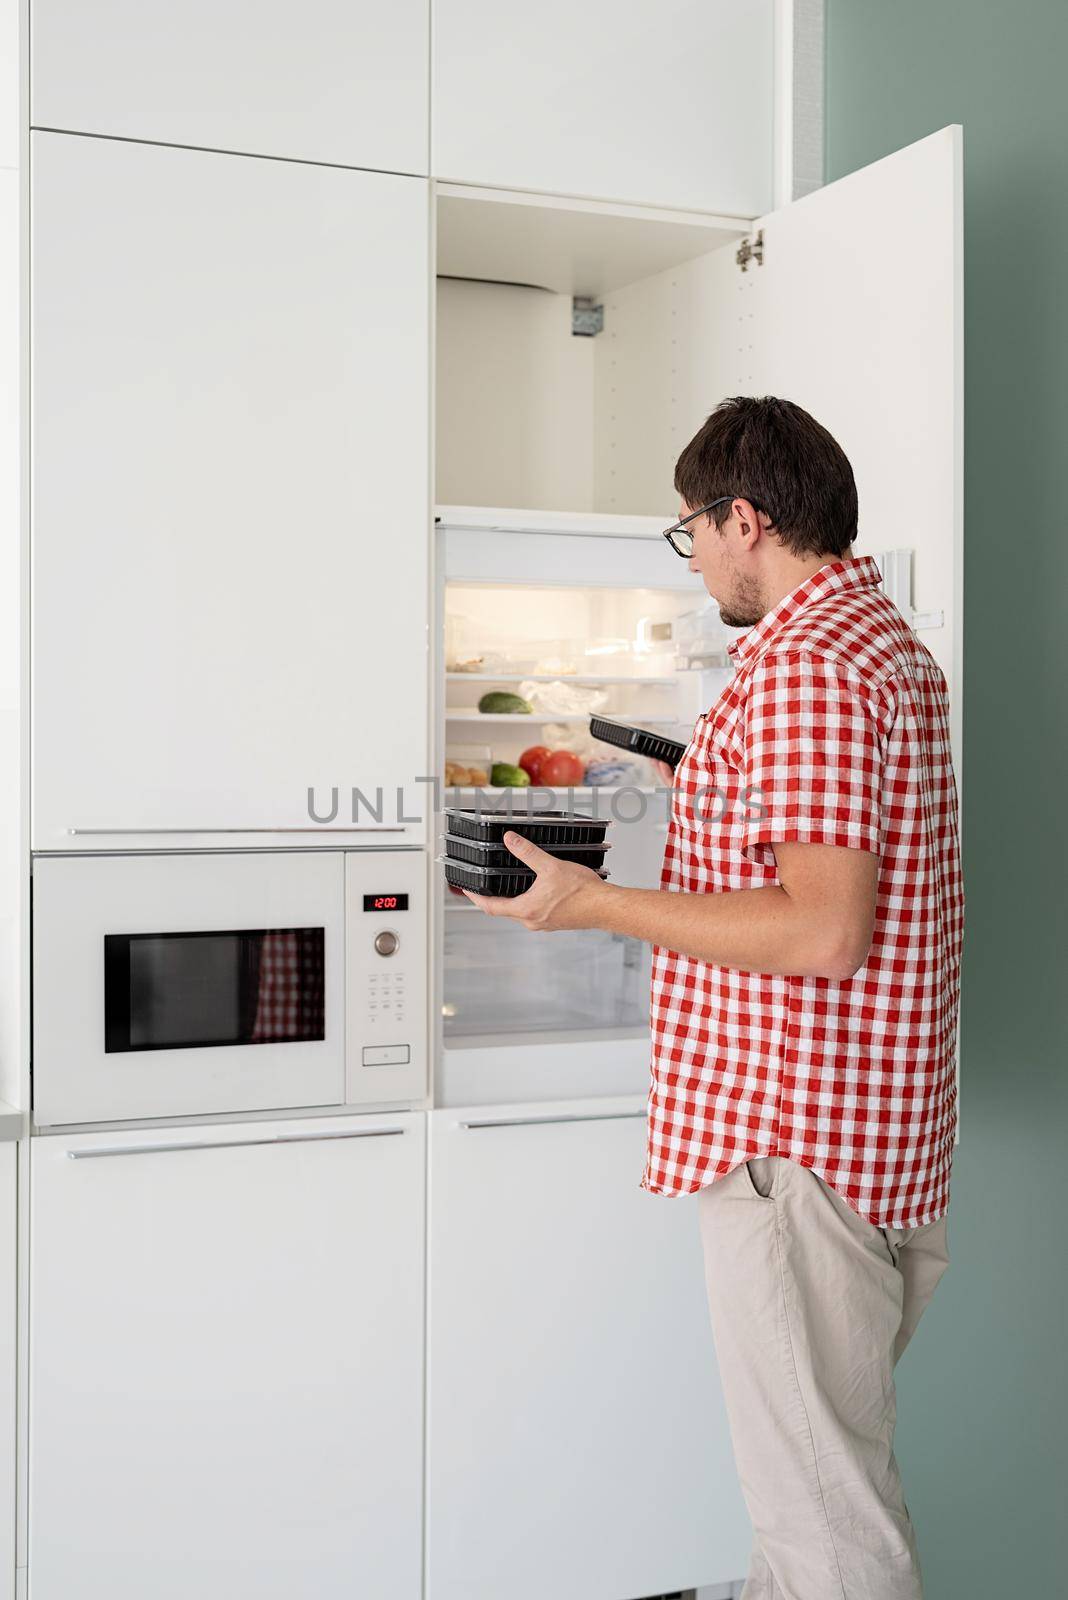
562	769
531	761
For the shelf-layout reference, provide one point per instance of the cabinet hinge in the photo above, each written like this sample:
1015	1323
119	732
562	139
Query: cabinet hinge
587	318
751	250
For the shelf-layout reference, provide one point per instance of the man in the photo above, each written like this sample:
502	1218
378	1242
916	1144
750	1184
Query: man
806	959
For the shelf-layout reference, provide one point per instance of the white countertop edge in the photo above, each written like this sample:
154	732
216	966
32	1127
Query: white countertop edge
13	1123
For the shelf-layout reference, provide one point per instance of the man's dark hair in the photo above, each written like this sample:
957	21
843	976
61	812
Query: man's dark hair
775	455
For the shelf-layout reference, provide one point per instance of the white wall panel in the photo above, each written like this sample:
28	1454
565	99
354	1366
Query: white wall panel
514	421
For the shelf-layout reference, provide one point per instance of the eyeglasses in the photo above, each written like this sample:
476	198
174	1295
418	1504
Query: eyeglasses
680	537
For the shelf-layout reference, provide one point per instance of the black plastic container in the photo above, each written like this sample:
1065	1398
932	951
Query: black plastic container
504	882
639	740
550	829
484	853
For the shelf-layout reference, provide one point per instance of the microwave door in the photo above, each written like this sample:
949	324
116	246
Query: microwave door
187	985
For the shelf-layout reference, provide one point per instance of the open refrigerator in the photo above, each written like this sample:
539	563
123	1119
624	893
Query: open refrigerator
578	615
572	616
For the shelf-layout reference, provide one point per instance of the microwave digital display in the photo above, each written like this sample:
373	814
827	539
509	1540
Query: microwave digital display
181	991
385	902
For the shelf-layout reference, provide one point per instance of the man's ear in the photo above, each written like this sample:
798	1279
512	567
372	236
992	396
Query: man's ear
750	524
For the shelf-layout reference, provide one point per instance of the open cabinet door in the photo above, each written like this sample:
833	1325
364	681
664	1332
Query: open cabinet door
858	316
855	312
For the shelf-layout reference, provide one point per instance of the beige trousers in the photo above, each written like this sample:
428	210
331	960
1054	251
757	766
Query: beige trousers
811	1308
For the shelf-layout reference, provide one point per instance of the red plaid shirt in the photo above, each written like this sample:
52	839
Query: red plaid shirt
834	730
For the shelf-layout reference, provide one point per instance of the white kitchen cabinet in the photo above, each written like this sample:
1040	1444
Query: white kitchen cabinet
658	102
578	1445
230	497
226	1378
336	81
8	1340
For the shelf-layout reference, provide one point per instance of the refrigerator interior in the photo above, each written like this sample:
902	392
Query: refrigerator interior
594	648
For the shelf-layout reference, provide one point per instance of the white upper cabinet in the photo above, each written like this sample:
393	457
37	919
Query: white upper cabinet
656	102
230	522
343	81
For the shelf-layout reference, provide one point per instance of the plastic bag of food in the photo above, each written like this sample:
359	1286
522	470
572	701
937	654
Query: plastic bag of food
560	699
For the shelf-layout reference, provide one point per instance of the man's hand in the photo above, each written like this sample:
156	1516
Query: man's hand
563	895
666	773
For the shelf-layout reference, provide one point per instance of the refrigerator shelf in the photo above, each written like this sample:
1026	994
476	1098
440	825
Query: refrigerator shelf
585	679
583	789
536	718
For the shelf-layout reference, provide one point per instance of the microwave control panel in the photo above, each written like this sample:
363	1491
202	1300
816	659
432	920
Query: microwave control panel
385	976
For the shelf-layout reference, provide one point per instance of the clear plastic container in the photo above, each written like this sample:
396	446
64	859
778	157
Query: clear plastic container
468	765
701	638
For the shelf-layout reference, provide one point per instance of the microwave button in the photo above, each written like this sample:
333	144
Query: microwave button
386	942
386	1055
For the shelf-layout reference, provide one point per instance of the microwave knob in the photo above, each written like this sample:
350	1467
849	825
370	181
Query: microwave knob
386	942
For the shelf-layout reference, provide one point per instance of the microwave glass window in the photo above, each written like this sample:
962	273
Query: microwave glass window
385	902
178	991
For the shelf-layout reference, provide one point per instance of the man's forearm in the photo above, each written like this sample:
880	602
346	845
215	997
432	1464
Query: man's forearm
754	930
817	921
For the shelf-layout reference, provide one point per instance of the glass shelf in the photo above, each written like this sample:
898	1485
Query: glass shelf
631	680
536	718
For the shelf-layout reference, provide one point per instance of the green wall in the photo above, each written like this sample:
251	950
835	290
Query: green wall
981	1392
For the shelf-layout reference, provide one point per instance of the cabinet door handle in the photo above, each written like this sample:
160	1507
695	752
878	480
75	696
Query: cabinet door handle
142	832
231	1144
534	1122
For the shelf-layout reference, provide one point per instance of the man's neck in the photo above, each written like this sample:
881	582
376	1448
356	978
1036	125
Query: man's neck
789	574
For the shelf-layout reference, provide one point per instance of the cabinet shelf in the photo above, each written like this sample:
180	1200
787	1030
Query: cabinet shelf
518	519
567	244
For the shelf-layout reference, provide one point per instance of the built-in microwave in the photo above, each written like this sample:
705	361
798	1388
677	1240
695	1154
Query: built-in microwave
198	983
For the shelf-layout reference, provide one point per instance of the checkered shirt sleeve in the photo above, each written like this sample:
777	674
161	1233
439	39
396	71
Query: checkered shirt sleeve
813	753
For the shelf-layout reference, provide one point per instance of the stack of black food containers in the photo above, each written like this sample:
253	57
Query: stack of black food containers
477	858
